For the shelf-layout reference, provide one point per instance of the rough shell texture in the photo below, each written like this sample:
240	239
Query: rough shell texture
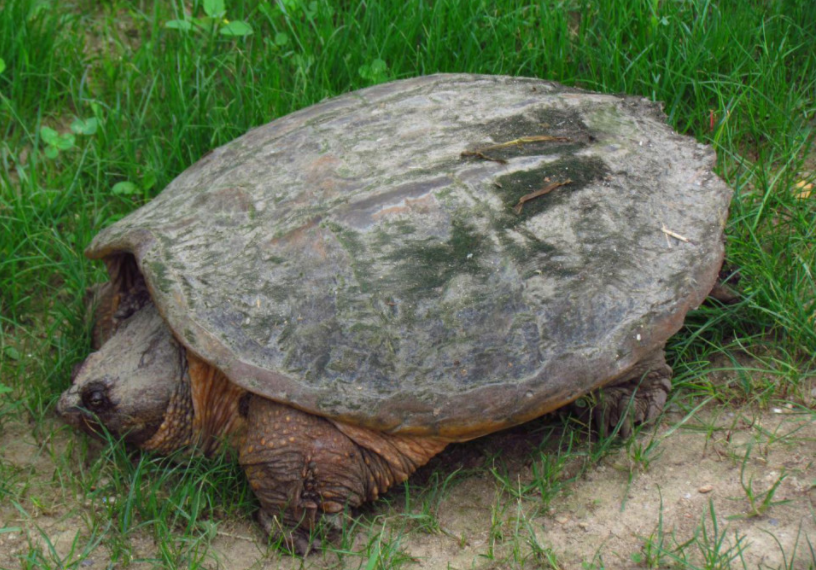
348	259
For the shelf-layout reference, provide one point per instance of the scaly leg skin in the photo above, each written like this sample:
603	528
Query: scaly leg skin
638	398
302	466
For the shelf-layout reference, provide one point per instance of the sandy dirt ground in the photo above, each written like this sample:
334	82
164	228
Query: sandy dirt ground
628	505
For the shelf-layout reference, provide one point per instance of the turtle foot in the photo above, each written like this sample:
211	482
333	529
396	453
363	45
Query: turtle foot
299	541
305	470
636	400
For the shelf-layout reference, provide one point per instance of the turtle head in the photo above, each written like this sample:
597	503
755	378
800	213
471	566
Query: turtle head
127	386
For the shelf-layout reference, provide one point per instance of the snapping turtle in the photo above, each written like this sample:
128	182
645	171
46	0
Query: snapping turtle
342	292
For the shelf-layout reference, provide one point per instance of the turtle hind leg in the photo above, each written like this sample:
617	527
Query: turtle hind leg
635	399
302	467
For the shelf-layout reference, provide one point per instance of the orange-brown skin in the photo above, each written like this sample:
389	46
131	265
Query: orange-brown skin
216	407
203	412
300	466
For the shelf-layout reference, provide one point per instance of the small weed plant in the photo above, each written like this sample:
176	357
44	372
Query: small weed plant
759	502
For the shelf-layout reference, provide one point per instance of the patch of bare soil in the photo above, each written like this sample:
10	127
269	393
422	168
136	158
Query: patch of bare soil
622	513
694	481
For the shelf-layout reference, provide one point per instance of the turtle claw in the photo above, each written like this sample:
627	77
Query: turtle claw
298	541
617	409
303	543
632	404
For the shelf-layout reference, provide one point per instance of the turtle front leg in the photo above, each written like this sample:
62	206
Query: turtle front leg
301	466
637	398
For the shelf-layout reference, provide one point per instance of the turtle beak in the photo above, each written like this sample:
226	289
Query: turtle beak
69	407
70	402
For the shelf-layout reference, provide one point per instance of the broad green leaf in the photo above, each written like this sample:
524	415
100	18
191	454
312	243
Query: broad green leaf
56	141
49	135
2	65
51	152
11	353
378	67
125	188
183	25
373	71
64	141
85	126
281	39
4	389
214	8
236	28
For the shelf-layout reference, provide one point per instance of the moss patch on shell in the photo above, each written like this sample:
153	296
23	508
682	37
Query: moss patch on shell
557	123
427	264
581	170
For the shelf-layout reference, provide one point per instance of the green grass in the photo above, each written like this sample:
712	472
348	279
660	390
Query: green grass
735	74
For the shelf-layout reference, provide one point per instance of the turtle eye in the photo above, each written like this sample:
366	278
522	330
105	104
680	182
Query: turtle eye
95	400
